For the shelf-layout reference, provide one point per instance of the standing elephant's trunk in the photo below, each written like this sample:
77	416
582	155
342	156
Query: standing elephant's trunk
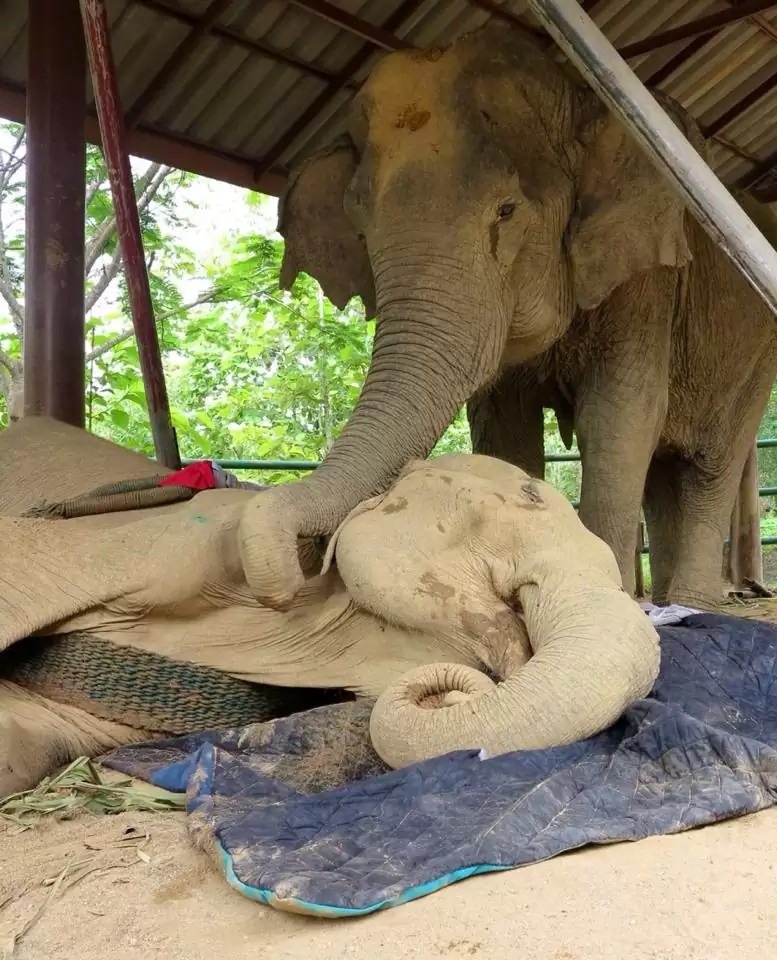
595	653
428	358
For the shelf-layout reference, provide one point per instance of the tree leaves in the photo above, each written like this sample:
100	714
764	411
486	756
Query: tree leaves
253	372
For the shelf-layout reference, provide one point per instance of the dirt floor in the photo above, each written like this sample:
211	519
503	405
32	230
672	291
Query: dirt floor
132	887
702	895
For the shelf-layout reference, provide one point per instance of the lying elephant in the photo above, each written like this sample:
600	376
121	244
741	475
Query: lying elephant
468	599
507	230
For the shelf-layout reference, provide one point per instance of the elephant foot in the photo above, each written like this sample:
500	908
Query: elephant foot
696	600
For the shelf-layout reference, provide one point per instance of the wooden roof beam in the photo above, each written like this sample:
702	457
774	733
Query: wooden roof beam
357	61
153	144
708	24
741	106
359	27
176	61
254	47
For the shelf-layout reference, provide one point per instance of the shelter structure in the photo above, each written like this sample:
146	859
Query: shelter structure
239	90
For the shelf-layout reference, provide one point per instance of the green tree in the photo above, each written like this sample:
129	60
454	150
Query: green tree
109	331
288	372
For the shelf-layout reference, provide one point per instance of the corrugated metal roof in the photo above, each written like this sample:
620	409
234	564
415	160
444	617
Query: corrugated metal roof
233	108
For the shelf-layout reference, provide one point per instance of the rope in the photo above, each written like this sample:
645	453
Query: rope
145	690
138	494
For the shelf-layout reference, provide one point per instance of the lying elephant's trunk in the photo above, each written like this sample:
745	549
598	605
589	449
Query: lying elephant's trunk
595	653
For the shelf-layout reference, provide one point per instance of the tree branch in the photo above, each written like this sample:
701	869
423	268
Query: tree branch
6	289
92	190
106	347
14	163
146	188
109	345
7	170
104	281
153	181
9	365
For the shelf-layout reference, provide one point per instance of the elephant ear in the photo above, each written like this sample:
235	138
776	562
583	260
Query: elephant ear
364	507
319	238
628	217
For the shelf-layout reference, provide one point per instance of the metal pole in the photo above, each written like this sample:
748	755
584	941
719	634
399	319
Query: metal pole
54	245
612	79
112	129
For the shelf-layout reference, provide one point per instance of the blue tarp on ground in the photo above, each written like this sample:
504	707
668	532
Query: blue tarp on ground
304	817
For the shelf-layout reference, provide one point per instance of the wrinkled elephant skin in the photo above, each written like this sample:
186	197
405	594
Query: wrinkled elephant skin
520	250
469	599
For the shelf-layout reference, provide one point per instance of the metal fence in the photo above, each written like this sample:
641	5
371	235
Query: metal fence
303	466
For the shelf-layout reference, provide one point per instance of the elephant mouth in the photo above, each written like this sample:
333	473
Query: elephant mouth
448	684
507	643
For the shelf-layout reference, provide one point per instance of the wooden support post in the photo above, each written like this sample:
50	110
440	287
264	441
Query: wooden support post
54	246
112	129
621	90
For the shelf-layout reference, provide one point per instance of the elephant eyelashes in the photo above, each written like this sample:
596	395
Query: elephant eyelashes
505	210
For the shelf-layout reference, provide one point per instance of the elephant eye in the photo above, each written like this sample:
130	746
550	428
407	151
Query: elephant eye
505	210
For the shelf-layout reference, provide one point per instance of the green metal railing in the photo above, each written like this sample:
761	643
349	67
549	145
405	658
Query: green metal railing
303	466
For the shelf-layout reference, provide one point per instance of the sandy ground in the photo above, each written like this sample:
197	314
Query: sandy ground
702	895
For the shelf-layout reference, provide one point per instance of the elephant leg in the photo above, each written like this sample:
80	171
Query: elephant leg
506	422
38	735
706	499
705	487
662	515
616	442
704	504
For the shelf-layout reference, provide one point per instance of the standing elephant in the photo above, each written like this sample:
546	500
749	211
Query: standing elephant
509	231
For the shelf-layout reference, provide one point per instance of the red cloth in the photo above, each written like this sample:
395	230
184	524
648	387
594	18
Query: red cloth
197	476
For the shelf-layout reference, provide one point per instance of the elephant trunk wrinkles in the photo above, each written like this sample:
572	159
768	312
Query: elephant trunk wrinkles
426	362
595	653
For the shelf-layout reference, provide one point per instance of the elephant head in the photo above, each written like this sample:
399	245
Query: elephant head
468	543
482	196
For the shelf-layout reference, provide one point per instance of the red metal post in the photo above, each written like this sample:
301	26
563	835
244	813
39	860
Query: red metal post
112	128
54	270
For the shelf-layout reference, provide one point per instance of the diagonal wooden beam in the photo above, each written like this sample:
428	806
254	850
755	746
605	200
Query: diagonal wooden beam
735	148
356	62
694	28
160	146
176	61
741	106
254	47
764	26
762	169
351	24
681	58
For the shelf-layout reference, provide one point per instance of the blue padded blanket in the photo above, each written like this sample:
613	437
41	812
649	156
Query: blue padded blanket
303	815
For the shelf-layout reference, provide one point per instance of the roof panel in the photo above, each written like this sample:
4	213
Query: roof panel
238	97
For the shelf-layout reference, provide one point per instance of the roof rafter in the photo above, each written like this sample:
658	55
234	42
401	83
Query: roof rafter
255	47
359	27
212	159
157	145
356	62
176	61
694	28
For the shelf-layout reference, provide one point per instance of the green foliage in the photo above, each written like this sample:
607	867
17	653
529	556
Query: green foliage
288	369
